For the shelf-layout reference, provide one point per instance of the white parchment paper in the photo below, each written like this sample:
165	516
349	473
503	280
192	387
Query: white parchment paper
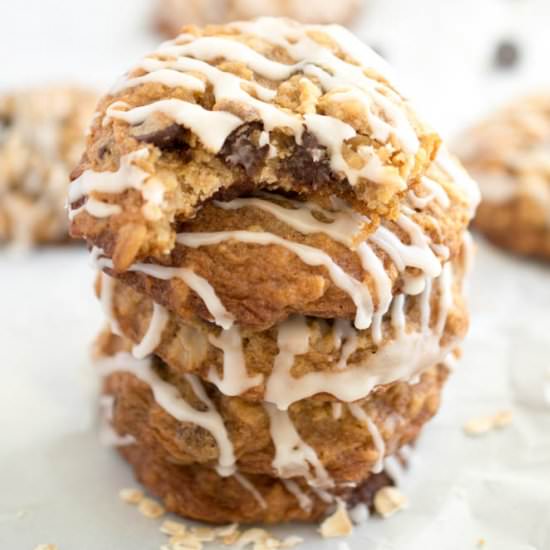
58	485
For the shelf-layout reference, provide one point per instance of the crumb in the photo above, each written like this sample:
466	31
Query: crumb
46	547
151	508
502	419
484	424
131	496
337	525
170	527
481	542
389	500
478	426
291	542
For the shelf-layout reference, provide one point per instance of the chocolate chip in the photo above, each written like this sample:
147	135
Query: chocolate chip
308	163
103	150
167	138
78	203
506	54
240	150
364	493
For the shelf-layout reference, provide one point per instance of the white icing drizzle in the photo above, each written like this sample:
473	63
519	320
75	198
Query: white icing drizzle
195	282
358	412
169	398
152	338
398	320
417	254
332	133
386	111
98	209
460	177
171	79
249	486
445	298
212	127
293	456
343	227
402	358
383	284
106	301
292	339
343	330
394	469
321	494
235	380
436	192
359	514
127	176
107	434
304	500
425	307
356	290
337	410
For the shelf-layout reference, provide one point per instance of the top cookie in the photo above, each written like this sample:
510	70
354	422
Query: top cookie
227	110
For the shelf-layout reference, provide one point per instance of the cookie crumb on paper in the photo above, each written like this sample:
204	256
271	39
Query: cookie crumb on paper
484	424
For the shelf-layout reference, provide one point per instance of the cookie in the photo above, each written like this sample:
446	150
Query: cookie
256	112
306	12
189	421
41	139
171	15
508	155
202	494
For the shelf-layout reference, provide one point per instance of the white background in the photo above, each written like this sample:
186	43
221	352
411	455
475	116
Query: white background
58	485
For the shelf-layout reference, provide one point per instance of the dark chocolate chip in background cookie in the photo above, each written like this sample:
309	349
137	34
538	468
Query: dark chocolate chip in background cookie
507	54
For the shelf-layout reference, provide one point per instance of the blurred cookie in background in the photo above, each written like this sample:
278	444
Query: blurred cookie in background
171	15
324	11
41	138
509	155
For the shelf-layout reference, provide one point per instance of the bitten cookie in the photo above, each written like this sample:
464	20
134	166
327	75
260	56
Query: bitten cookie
41	138
509	154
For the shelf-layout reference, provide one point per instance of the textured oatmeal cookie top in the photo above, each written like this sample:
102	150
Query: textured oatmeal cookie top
226	110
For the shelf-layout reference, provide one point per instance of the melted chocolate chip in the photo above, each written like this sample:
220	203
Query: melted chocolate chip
506	54
78	203
240	150
103	151
364	493
167	138
309	163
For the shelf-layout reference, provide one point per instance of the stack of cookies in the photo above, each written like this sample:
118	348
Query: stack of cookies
282	245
